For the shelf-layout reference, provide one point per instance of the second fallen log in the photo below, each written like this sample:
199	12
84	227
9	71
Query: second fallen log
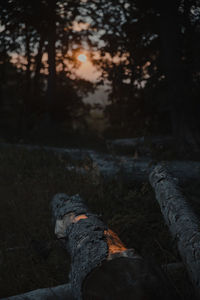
101	266
183	224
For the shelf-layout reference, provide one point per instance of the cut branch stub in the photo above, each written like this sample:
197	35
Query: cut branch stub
101	266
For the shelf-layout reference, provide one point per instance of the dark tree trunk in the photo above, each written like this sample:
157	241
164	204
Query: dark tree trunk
185	124
3	59
26	105
51	88
28	65
101	266
38	64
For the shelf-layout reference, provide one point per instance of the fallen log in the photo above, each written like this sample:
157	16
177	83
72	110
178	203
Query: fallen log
181	220
113	167
128	169
58	292
144	145
102	268
74	153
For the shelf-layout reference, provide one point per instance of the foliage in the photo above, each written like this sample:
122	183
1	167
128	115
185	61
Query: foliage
36	38
149	54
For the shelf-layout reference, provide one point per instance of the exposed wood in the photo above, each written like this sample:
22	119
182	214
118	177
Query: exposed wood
101	266
60	292
182	222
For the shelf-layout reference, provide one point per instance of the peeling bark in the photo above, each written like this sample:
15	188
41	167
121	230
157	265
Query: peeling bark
101	266
58	292
182	222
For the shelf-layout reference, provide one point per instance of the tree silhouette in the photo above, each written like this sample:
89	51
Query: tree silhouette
35	30
148	53
155	77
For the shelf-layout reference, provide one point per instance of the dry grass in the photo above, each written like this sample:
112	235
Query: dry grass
30	257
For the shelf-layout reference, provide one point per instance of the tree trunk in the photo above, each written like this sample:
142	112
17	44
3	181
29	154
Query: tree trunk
38	63
28	73
3	60
28	65
101	266
51	87
25	110
181	220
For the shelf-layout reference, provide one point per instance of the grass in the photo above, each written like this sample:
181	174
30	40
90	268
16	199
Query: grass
30	256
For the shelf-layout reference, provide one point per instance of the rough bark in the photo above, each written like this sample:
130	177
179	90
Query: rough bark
182	222
101	266
58	292
111	167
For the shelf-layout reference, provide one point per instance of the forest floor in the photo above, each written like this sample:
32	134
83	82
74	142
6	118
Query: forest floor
30	255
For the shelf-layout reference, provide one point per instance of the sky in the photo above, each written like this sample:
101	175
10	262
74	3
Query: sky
89	72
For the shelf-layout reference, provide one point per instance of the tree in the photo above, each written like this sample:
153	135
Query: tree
177	62
157	63
33	30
